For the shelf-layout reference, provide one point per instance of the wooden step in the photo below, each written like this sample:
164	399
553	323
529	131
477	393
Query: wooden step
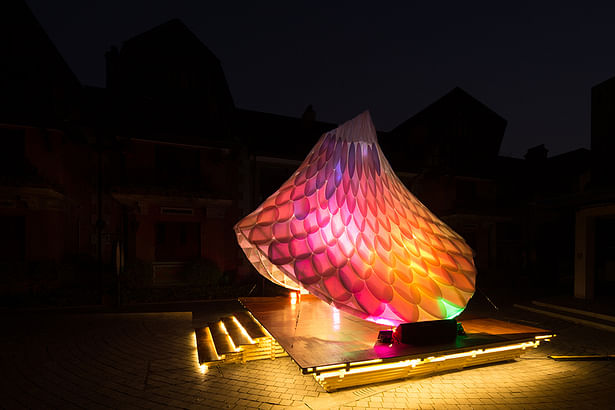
235	339
205	346
237	332
253	328
222	340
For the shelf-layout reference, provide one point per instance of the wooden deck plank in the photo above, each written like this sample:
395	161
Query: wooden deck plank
221	340
496	327
252	327
323	334
234	330
206	349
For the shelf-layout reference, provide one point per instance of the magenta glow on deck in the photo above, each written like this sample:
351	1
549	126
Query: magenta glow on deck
344	228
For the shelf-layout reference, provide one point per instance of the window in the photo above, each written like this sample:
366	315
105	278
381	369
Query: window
466	192
12	238
508	231
176	211
176	166
178	241
12	152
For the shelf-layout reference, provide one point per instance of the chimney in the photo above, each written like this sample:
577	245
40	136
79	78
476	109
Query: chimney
536	154
308	117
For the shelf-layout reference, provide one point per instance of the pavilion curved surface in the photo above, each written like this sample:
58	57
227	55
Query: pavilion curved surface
344	228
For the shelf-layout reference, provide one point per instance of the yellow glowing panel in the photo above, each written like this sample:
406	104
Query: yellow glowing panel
228	338
243	330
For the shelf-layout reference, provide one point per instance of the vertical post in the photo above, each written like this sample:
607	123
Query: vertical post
590	258
99	221
584	261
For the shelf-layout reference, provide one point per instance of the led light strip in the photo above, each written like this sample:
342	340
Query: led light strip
259	324
213	345
243	330
546	338
414	362
228	337
202	367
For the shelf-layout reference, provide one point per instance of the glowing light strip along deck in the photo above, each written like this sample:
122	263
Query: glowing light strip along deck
372	373
469	351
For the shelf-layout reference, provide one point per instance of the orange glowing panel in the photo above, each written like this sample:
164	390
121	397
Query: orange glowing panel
345	228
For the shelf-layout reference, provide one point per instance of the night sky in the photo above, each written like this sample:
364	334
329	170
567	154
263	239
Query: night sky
532	63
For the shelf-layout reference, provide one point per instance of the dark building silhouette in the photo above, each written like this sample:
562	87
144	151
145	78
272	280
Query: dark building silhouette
168	70
177	167
46	212
603	129
136	186
38	87
456	133
594	259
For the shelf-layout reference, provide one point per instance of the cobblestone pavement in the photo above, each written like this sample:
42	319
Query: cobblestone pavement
148	360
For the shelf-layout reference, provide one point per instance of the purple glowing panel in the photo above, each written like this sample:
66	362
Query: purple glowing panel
347	230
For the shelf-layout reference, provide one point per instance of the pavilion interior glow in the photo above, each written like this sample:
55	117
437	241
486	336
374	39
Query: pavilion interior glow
345	228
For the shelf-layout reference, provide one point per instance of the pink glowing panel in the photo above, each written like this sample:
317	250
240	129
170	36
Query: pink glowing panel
347	230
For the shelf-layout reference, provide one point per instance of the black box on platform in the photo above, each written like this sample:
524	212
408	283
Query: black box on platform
432	332
385	336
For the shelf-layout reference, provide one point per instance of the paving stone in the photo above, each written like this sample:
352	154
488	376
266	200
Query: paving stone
149	361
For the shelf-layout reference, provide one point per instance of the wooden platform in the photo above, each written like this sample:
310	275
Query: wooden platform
341	350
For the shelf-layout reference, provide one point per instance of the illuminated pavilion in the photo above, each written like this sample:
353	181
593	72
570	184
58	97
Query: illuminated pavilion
345	229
